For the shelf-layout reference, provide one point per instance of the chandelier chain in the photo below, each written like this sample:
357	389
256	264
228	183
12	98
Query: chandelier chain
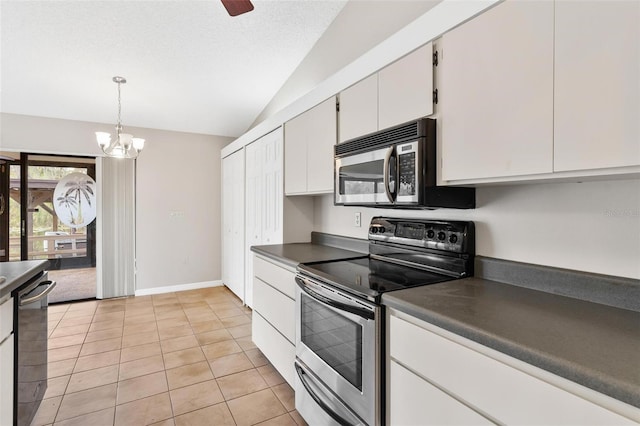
119	109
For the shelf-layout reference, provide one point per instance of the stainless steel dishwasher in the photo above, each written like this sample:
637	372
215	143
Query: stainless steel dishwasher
30	329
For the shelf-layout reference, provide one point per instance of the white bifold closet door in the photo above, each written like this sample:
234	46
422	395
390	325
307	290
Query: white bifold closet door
115	227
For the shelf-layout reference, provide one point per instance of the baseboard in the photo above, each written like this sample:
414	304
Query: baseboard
179	287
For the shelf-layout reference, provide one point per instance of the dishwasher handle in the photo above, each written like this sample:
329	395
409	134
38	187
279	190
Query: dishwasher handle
25	300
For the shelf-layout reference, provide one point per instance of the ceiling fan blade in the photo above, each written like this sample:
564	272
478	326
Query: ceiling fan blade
237	7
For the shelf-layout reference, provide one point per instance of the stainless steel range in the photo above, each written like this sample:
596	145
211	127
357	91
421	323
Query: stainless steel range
340	322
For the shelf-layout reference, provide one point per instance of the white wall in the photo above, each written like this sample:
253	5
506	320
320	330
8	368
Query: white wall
360	26
589	226
178	209
176	173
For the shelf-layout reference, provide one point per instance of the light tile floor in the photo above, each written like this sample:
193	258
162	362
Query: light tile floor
183	358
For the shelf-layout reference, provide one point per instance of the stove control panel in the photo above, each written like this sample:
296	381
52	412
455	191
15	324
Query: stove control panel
451	236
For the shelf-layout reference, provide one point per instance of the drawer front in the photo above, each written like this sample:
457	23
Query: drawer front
503	392
279	351
6	318
276	308
414	401
276	276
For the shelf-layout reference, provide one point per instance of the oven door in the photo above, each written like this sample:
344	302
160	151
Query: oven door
337	340
366	178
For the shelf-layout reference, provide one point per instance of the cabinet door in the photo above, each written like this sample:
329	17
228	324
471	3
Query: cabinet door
405	88
414	401
322	138
233	192
496	93
359	109
296	132
597	85
272	197
279	351
254	210
308	150
264	199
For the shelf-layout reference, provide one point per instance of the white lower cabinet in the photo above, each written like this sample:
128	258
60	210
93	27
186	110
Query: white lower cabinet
471	379
417	402
273	320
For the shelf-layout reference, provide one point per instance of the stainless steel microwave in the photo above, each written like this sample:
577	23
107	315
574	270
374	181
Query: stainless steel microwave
395	168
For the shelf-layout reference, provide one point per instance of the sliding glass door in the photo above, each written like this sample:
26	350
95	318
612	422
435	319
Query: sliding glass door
58	210
49	213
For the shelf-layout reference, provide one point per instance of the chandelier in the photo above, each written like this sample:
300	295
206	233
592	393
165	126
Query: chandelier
124	145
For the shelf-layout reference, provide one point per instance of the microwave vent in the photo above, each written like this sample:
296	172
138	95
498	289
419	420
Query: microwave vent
398	134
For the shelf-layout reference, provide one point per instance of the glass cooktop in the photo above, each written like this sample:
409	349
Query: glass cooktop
369	278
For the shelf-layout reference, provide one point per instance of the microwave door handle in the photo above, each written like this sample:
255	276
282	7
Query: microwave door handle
387	161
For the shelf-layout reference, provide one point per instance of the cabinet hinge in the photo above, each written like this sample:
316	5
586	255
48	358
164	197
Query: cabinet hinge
338	106
435	96
435	58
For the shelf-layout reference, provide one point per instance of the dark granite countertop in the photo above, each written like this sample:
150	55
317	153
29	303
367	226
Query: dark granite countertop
17	273
592	344
293	254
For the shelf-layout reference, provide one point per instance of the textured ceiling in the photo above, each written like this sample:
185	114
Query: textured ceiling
189	65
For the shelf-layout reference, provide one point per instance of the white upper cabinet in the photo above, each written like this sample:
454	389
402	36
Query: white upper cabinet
405	88
401	92
496	93
309	140
597	85
359	109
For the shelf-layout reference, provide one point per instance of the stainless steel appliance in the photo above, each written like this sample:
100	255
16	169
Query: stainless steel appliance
31	304
395	167
340	321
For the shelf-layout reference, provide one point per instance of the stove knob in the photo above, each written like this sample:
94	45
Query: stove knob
441	236
382	230
431	233
453	238
373	230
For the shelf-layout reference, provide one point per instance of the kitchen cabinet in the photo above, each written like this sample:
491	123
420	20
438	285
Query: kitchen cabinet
496	93
254	210
6	361
417	402
359	109
488	384
405	88
233	224
596	85
273	319
264	207
309	140
400	92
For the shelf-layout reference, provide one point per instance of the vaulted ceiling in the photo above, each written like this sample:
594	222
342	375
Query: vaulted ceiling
189	65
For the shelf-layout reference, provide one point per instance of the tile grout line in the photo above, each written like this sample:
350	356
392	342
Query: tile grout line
180	305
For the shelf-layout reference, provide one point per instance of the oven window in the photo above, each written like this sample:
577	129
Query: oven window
334	338
362	178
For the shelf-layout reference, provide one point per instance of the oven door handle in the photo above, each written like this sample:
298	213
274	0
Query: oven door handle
325	407
361	312
28	300
386	174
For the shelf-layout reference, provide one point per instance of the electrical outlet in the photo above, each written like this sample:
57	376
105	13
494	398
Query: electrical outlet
357	219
